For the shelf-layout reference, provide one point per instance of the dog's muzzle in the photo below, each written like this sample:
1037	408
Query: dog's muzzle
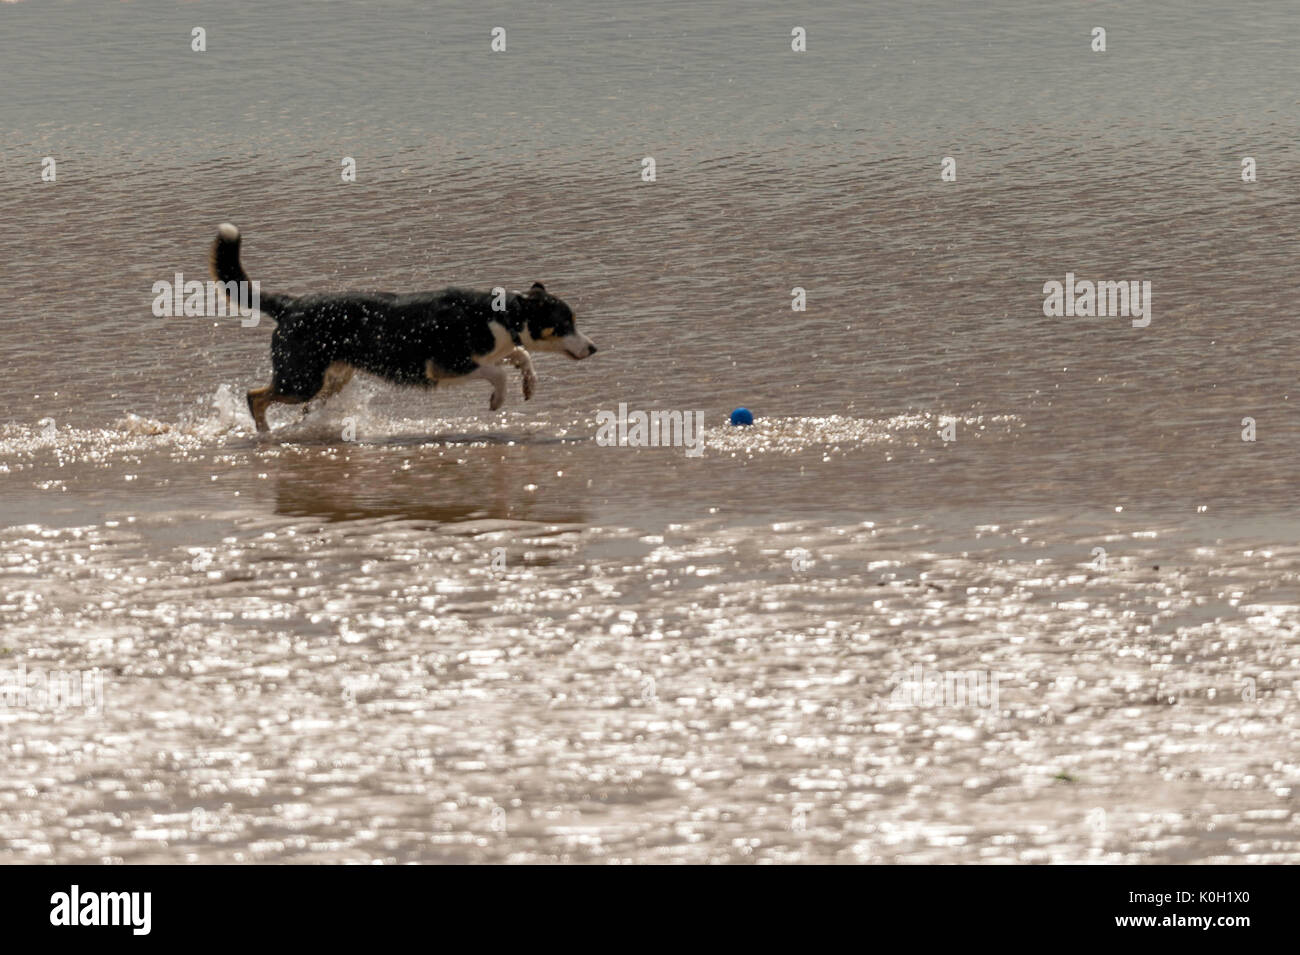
578	346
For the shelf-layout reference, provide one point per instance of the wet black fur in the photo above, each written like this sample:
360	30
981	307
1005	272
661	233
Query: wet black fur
386	334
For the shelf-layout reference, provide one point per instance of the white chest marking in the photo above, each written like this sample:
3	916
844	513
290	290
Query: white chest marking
502	345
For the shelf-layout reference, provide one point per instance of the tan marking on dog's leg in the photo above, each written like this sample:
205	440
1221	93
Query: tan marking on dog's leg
259	399
337	376
520	358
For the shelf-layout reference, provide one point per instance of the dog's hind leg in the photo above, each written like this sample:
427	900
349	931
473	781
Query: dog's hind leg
337	375
259	399
521	360
497	376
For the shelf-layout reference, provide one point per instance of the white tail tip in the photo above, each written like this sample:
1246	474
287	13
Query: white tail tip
227	232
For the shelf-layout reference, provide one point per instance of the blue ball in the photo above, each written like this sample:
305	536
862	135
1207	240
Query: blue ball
742	416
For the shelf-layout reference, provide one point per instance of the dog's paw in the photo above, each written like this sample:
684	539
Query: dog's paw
497	400
530	383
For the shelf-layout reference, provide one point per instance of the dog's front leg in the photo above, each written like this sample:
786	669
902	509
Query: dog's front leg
497	376
524	362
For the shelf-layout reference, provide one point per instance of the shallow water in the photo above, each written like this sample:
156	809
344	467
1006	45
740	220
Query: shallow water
462	635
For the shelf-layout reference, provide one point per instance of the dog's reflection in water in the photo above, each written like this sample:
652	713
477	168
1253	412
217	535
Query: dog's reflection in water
460	484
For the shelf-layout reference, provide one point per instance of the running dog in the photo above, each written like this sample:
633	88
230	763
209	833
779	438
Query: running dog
416	339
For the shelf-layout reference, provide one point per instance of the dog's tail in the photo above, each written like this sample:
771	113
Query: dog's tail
224	261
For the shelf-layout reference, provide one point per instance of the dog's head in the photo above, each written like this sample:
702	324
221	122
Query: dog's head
549	325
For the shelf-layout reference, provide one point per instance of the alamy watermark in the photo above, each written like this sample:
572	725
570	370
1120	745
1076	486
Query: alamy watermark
1087	299
944	688
52	690
130	909
207	299
651	429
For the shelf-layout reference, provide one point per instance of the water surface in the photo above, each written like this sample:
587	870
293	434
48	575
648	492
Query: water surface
468	635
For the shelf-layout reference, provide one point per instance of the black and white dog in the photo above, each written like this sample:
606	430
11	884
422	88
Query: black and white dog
419	338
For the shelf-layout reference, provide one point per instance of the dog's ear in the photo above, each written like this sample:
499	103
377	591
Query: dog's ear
537	289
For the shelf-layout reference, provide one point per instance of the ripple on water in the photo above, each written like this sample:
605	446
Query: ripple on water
604	693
